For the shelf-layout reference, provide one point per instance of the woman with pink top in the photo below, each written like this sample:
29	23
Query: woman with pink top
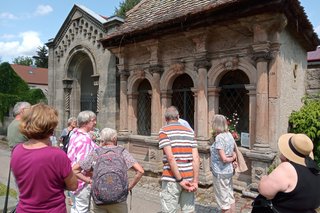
42	172
80	145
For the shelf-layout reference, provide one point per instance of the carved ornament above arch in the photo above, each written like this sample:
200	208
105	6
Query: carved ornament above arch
174	71
221	67
136	77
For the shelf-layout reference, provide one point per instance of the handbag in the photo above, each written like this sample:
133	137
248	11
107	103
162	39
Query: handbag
262	205
5	207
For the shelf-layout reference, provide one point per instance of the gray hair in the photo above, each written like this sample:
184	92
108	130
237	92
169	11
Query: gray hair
70	120
171	113
219	123
108	135
85	117
19	106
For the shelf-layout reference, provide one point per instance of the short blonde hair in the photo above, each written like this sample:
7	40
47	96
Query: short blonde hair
219	123
39	121
108	135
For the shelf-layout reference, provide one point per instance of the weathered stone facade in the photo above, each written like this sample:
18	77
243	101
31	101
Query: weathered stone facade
82	74
194	54
256	50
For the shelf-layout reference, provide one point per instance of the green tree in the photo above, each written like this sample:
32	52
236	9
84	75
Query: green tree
41	59
125	6
23	60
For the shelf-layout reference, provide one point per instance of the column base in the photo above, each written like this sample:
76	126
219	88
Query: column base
261	157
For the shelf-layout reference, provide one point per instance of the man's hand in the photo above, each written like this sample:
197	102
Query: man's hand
189	186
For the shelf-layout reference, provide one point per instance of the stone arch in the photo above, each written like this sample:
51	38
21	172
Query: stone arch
174	71
80	67
79	53
135	78
219	68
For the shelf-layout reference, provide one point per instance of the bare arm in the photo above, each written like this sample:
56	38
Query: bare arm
71	182
139	173
227	159
77	171
195	166
283	179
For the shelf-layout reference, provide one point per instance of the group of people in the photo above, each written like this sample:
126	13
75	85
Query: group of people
44	172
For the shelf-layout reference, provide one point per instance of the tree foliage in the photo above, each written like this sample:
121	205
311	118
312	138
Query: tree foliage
307	121
41	59
23	60
125	6
14	89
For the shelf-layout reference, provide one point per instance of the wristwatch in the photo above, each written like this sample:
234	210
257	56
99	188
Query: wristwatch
181	179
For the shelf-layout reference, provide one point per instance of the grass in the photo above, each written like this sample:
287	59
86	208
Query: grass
3	190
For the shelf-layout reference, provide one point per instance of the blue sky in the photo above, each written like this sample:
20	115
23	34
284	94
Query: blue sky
26	25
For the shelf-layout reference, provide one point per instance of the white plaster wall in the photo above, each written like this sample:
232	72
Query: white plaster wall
291	89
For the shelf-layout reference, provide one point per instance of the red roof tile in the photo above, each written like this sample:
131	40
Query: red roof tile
31	75
314	55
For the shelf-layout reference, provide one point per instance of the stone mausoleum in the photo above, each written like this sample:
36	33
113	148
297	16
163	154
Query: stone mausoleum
203	56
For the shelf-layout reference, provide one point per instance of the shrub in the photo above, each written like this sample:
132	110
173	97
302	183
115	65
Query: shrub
307	121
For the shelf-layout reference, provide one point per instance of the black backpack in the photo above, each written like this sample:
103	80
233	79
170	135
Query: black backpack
65	142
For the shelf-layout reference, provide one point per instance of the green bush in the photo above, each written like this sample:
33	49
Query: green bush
307	121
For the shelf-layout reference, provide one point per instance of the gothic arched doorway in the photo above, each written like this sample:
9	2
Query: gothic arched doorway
234	98
182	97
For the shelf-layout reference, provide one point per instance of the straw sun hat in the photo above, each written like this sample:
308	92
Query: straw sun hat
296	147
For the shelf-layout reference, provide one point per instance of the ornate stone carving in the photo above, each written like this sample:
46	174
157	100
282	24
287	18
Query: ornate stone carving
139	73
202	63
231	63
177	68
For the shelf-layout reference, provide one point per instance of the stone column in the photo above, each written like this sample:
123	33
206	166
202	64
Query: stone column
262	57
67	86
252	113
166	102
156	117
202	98
213	96
123	127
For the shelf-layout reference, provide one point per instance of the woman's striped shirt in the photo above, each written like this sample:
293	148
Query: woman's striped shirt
181	140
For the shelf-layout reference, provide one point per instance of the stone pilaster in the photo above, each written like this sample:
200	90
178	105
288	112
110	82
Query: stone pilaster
123	127
156	117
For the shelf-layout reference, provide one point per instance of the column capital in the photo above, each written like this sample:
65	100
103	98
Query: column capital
202	63
157	68
124	74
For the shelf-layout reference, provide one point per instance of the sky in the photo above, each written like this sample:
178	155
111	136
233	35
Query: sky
26	25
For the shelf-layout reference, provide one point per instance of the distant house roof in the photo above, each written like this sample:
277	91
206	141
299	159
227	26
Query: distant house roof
151	18
314	55
31	75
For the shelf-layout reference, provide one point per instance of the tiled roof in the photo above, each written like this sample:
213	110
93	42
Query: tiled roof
314	55
31	75
150	16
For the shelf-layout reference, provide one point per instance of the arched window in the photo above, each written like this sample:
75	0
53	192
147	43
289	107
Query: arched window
234	98
182	97
144	108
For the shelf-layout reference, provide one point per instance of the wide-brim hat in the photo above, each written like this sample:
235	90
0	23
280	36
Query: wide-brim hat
296	147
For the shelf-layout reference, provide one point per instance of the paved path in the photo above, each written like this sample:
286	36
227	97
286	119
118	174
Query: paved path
145	196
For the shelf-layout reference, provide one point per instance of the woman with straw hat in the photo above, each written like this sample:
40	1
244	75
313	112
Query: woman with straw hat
294	186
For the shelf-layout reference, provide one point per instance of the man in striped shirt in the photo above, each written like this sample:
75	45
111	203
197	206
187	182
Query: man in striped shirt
180	164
